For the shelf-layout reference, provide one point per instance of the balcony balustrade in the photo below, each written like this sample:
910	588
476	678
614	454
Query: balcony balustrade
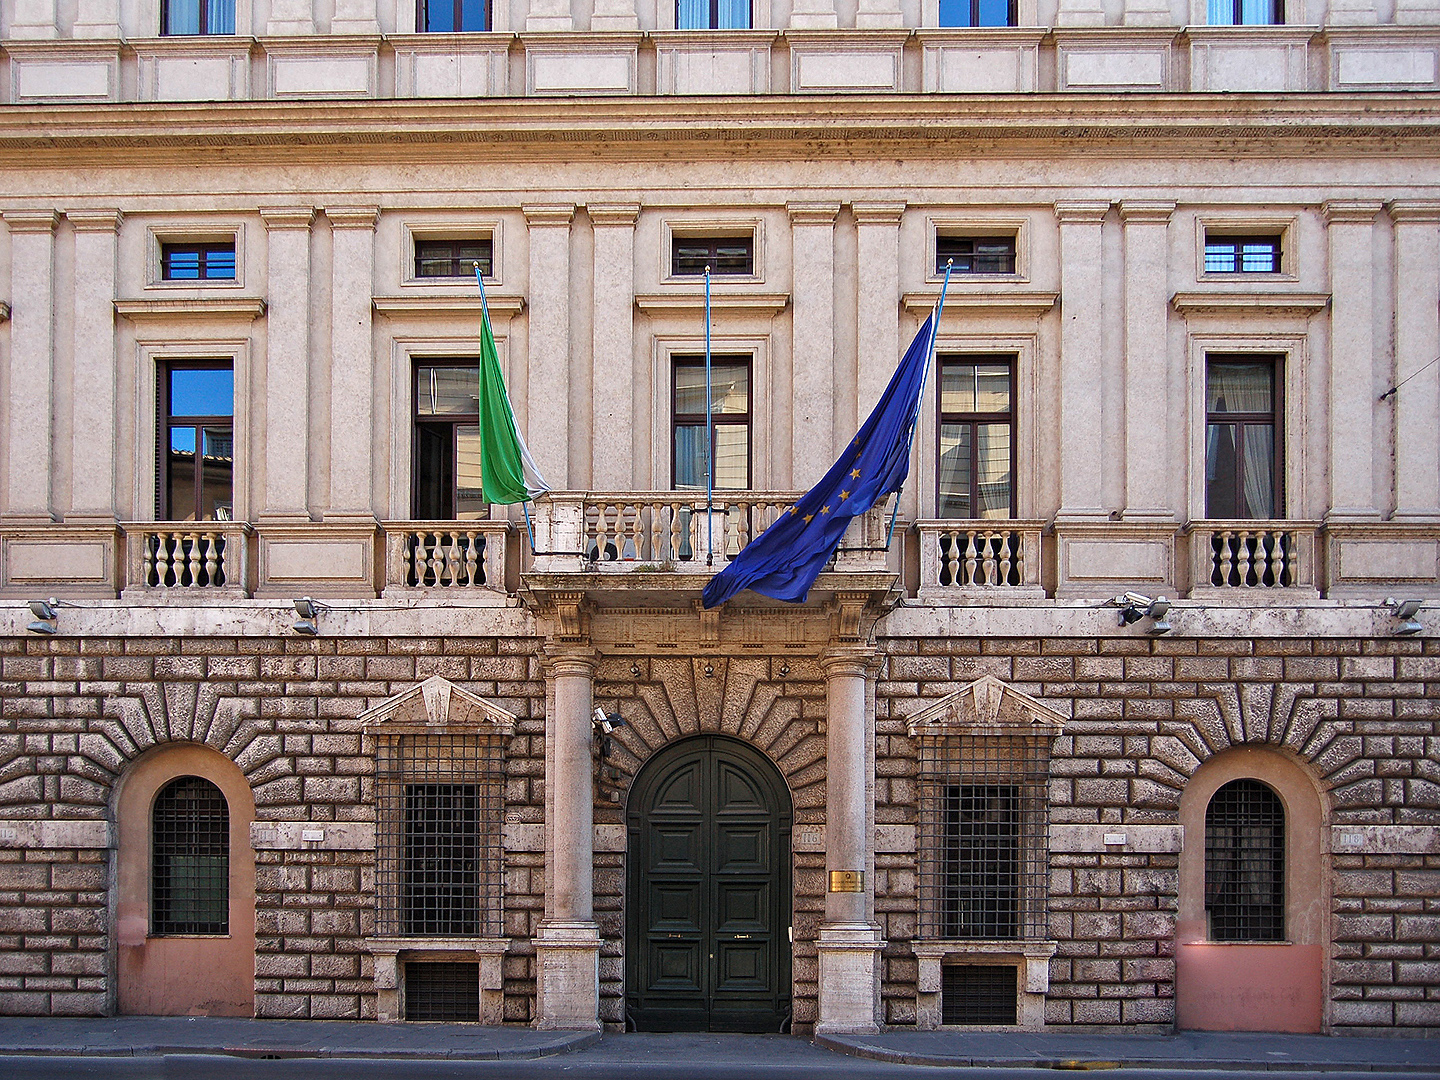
1252	557
979	558
209	558
445	555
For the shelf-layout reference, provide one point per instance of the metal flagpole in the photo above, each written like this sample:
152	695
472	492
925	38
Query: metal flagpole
929	359
485	317
709	435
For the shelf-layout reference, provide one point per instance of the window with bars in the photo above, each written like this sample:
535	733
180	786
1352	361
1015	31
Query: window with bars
440	870
1245	863
190	859
445	991
983	850
212	261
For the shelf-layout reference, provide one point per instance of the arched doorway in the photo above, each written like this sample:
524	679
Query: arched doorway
708	894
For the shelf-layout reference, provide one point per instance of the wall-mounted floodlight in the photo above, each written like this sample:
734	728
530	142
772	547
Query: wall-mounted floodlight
1404	610
604	723
1136	606
46	616
309	612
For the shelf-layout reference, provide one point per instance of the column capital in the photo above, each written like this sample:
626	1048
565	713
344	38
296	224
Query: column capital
621	214
287	217
853	660
1351	211
1415	211
572	660
31	221
553	214
878	213
812	213
96	221
352	217
1146	211
1082	211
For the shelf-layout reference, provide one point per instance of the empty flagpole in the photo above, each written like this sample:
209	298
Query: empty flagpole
709	434
929	359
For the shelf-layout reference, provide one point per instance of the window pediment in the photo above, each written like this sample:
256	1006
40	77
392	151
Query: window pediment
988	706
437	703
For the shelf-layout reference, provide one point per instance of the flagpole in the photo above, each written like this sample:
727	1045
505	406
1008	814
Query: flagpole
709	434
485	318
929	359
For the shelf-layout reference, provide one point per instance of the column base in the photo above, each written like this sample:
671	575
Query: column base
567	977
849	979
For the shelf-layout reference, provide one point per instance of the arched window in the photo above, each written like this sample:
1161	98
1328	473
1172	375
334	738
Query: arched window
190	859
1245	863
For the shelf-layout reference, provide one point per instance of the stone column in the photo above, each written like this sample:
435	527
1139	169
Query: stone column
93	438
567	944
1352	359
548	310
352	361
813	15
287	362
850	942
549	15
812	352
614	453
1147	435
32	364
1417	342
877	302
1081	296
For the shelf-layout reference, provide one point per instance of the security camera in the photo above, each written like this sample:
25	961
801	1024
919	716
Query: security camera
607	722
1136	606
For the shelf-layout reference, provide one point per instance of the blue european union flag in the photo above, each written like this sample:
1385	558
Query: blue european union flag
785	559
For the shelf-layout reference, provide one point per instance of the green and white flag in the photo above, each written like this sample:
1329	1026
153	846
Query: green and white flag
507	471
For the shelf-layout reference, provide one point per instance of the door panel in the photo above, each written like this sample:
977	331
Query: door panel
709	835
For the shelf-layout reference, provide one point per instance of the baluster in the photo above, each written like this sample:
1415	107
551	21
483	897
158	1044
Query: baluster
212	558
471	563
434	561
449	558
1277	558
673	550
162	559
970	560
1020	551
945	568
1004	557
1254	549
1226	557
411	556
152	543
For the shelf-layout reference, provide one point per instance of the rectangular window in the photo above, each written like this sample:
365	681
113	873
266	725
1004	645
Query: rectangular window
981	897
443	991
1245	12
196	444
446	475
197	17
977	444
975	254
1242	445
712	15
724	255
978	994
977	13
211	261
442	16
729	437
1242	254
453	258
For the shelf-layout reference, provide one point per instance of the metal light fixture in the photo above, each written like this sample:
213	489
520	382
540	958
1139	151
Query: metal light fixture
45	616
309	620
604	723
1136	606
1404	610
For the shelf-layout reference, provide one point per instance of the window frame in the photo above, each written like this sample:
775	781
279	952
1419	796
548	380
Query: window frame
448	420
1239	241
1276	418
973	419
199	235
1012	17
717	228
714	18
202	249
165	423
1218	226
1275	910
419	232
455	243
974	227
679	359
714	241
160	886
202	19
1277	14
422	11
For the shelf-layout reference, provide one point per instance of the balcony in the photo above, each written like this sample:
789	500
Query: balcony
1252	559
979	560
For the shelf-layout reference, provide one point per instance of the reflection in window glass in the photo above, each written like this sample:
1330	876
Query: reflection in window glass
712	15
977	13
730	407
446	16
197	17
976	454
199	402
1245	12
446	472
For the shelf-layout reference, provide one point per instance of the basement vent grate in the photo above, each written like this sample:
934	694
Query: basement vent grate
442	991
978	994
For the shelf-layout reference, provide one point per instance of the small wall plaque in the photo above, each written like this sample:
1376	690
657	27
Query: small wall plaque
847	880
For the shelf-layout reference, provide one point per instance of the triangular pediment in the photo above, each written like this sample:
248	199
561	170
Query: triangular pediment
988	706
437	703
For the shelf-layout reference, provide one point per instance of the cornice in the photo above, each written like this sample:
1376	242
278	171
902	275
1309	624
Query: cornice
287	217
1256	303
754	303
246	308
31	221
1031	304
1415	211
878	213
420	306
1351	211
813	213
98	221
553	214
613	213
1146	212
1082	211
352	217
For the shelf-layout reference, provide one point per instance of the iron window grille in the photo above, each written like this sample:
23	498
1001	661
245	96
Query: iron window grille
454	258
1245	863
1242	254
198	262
975	254
724	255
978	994
983	849
440	867
190	859
446	991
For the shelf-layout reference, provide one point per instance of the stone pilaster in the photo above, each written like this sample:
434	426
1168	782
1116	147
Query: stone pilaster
614	15
1081	297
877	301
548	412
812	231
287	362
93	438
1352	359
850	942
1417	342
813	15
1147	367
549	15
615	454
32	364
567	944
352	391
878	15
34	20
290	17
97	19
354	17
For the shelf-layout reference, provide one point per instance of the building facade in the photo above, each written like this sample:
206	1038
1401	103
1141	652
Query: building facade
1132	720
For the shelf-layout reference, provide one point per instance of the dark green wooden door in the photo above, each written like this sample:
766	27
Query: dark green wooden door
708	898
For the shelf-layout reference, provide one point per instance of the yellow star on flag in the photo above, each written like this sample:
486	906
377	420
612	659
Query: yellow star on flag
855	474
809	518
825	509
844	495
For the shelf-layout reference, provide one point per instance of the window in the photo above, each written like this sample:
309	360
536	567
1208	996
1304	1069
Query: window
712	15
978	994
446	991
1242	254
981	853
209	261
1245	863
1242	452
197	16
441	864
977	13
197	445
454	258
729	438
977	445
724	255
190	859
446	484
975	254
1245	12
440	16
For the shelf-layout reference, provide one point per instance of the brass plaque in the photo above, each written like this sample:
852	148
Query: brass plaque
847	880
